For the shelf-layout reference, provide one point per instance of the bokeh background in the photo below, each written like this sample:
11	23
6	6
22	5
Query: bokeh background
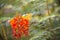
45	22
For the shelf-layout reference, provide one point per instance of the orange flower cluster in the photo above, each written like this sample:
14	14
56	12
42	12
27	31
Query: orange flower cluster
19	26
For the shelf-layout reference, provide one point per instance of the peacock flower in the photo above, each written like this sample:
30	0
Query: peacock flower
20	25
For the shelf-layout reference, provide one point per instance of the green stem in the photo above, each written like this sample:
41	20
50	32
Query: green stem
4	32
48	13
47	7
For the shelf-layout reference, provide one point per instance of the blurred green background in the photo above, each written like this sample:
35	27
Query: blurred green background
45	22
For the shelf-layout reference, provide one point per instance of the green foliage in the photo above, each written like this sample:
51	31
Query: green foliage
45	27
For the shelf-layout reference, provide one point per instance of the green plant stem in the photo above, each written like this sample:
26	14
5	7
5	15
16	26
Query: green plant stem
48	12
4	32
